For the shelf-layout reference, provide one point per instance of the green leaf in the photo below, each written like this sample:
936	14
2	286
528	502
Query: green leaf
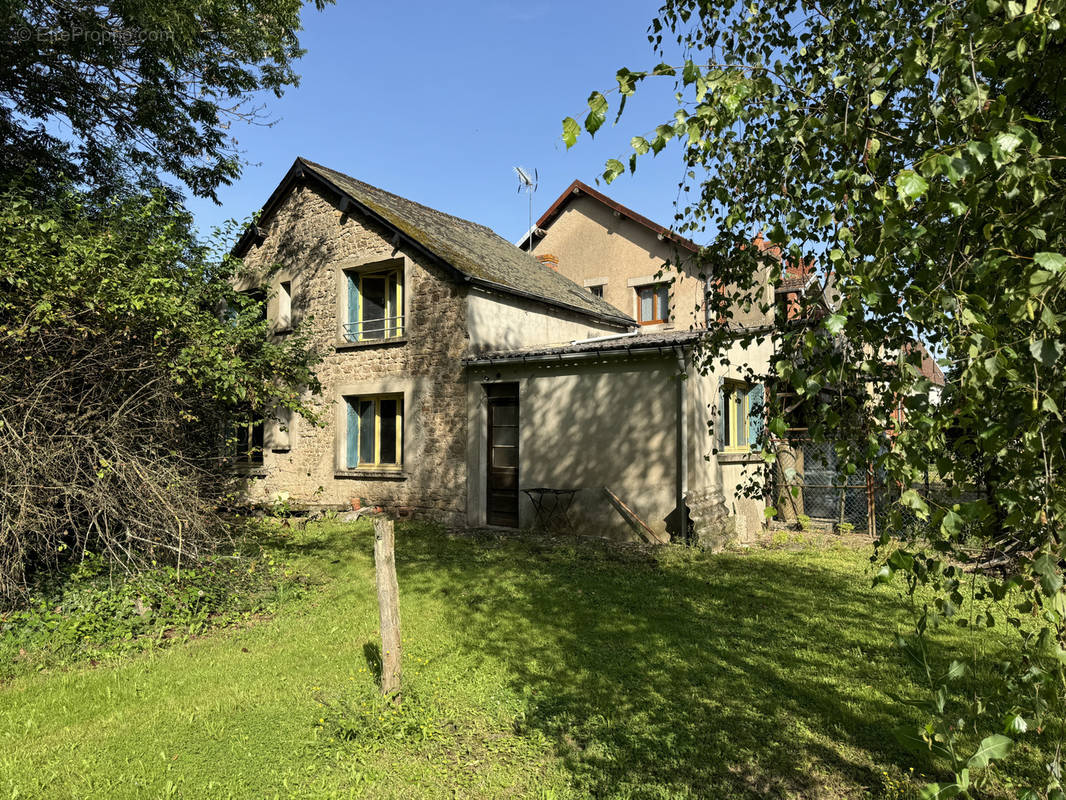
955	671
571	130
939	791
1054	262
835	323
640	144
912	500
1007	142
910	185
690	73
1050	577
1046	351
884	575
991	748
910	738
877	97
597	112
951	524
613	170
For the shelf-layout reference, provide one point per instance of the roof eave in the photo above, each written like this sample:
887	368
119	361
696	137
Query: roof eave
580	355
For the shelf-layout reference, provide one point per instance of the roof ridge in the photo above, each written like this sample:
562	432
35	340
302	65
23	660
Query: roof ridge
400	197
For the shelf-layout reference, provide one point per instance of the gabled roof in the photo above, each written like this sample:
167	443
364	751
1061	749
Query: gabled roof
471	253
577	188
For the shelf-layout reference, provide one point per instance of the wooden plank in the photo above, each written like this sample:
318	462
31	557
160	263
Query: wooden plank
639	526
388	605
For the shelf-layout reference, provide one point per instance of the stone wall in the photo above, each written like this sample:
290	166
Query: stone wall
313	241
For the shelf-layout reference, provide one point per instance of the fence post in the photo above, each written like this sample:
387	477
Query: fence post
388	604
871	503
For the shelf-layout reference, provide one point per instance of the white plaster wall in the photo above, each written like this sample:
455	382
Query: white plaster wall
498	321
585	426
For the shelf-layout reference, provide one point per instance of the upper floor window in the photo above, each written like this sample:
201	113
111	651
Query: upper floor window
653	303
375	304
597	291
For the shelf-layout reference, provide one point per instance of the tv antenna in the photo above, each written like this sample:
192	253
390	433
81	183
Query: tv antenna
530	185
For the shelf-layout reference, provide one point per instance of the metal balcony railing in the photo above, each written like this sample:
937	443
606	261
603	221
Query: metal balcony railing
369	330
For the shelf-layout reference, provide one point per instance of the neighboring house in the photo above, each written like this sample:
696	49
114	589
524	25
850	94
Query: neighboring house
459	370
636	265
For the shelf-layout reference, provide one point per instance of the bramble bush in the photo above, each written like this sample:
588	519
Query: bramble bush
127	361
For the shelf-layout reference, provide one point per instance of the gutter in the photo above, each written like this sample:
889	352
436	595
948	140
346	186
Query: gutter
681	455
583	355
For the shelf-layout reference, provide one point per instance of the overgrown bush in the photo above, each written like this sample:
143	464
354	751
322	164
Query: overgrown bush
127	358
87	611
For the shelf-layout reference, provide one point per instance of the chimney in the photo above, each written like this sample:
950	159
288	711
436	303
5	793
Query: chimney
549	260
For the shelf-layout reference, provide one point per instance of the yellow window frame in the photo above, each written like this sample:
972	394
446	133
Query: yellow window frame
737	402
377	462
394	319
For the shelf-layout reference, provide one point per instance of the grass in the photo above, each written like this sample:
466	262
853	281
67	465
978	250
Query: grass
531	670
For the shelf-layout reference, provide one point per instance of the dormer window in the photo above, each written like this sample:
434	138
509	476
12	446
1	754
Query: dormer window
375	304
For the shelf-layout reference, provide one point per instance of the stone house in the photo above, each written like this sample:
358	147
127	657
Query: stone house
459	372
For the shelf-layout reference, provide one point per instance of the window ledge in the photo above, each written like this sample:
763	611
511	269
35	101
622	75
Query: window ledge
251	472
343	344
750	457
371	474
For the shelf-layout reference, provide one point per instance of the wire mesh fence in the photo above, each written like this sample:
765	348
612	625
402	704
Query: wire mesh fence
809	482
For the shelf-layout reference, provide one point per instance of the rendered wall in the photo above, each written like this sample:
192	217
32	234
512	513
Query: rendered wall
497	322
586	426
593	242
725	472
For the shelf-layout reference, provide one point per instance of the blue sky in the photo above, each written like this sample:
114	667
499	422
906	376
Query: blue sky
439	101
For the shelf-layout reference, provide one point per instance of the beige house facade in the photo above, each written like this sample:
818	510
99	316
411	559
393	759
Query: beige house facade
638	266
466	381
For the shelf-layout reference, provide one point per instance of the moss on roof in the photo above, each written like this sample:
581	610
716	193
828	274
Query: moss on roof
474	250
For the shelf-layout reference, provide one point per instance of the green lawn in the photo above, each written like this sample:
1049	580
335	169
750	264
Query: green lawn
531	670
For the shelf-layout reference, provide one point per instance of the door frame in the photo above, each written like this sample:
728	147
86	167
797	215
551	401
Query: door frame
510	392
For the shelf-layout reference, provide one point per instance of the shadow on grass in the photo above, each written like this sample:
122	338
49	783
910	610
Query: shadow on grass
372	654
726	676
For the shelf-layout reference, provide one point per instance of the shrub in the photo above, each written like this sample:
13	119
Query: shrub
121	383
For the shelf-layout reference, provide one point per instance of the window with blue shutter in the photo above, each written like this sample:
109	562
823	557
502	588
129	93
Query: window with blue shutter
375	304
740	420
374	435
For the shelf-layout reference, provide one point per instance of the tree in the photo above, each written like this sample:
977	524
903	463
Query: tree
100	92
126	357
915	149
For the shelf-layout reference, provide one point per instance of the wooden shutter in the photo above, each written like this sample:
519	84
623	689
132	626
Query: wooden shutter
352	434
721	425
757	417
353	305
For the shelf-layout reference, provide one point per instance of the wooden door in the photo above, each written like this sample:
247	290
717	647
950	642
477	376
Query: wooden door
501	495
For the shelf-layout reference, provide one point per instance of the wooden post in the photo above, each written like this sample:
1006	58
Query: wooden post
388	604
871	503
